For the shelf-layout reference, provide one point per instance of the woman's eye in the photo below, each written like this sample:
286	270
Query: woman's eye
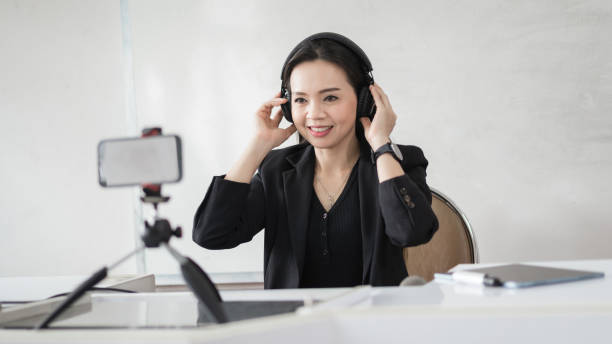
330	98
299	100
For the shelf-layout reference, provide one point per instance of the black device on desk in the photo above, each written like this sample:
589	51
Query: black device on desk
242	310
148	162
517	275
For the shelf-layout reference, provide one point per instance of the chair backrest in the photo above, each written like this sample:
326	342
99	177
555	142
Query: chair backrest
454	242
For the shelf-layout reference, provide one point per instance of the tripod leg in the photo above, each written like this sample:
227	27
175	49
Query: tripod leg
201	285
75	295
82	289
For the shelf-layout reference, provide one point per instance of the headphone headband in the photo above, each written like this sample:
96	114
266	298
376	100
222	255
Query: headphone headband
338	38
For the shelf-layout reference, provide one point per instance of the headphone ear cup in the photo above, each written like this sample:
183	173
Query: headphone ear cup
286	108
365	104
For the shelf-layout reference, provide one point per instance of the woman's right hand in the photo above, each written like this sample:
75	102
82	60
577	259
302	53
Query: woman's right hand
268	133
267	136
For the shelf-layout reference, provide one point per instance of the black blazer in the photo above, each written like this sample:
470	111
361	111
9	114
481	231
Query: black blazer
394	214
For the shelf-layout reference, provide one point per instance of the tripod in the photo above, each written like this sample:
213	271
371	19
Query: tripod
157	234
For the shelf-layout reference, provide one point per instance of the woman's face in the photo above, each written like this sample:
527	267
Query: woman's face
323	104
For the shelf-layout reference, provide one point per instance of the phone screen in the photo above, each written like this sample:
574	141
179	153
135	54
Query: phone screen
136	161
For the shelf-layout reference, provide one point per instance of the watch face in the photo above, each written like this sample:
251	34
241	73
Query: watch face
397	151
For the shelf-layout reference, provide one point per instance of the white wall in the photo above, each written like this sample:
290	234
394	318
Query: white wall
61	91
510	101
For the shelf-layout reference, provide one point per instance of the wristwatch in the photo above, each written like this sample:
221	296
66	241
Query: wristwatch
388	147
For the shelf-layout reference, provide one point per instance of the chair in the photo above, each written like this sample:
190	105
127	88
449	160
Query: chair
454	242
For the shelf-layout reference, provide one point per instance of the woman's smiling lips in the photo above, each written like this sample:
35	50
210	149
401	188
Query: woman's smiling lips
319	130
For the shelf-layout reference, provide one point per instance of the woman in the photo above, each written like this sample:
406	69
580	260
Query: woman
338	207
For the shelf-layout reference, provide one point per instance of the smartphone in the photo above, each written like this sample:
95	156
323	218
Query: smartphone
137	161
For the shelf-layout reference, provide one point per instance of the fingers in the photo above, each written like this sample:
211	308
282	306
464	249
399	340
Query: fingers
278	117
274	102
289	131
382	95
266	108
377	96
286	133
366	124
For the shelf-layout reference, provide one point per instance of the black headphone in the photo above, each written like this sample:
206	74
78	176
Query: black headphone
365	103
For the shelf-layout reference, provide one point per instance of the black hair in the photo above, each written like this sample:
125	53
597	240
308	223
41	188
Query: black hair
336	53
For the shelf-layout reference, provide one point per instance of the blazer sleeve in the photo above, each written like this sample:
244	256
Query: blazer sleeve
230	214
405	202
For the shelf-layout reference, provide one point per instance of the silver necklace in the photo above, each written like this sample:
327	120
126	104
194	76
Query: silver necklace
331	198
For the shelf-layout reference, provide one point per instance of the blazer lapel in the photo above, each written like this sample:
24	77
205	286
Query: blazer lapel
297	185
368	208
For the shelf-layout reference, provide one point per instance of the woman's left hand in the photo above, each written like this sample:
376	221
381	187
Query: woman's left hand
377	131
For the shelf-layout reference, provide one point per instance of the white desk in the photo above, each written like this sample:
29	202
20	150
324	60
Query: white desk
587	294
434	313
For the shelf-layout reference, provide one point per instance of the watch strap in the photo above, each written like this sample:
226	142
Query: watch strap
386	148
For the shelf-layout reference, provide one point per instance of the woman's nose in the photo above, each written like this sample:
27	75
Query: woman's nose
314	111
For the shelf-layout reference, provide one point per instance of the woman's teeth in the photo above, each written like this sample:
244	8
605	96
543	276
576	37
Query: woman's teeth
320	129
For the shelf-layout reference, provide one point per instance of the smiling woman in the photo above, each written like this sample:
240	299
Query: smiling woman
338	207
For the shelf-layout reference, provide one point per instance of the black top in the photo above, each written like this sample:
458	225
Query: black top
333	256
393	214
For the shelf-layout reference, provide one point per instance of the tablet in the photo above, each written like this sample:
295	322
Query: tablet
522	275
